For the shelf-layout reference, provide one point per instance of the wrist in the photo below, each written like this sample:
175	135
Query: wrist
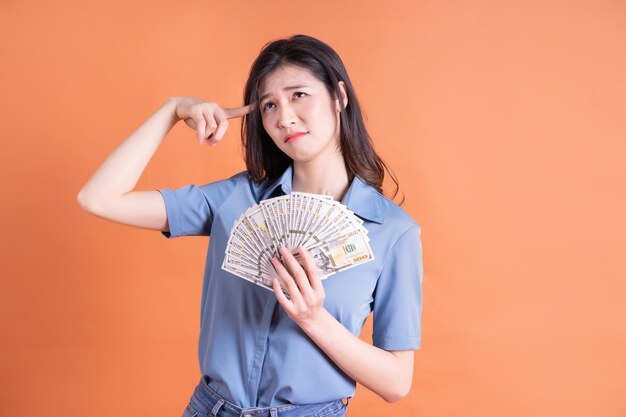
171	104
314	323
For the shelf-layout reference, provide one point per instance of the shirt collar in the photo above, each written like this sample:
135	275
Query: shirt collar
361	198
283	181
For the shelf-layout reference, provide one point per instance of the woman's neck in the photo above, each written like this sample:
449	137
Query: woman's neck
328	176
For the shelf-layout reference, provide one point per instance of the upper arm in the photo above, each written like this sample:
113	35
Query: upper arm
190	209
398	295
144	209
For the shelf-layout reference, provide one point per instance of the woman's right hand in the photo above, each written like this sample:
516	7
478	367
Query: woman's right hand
209	119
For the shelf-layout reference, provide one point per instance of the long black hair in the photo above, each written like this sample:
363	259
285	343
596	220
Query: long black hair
264	160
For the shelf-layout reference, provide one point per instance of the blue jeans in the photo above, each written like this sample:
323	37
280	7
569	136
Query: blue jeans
207	403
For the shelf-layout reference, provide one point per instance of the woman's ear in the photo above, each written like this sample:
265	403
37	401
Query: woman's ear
344	96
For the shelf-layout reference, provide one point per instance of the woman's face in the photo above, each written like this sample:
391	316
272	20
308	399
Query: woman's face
292	100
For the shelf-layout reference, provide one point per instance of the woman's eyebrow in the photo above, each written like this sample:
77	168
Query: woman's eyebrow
292	87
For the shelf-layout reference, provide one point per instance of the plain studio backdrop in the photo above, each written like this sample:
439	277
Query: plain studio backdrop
504	121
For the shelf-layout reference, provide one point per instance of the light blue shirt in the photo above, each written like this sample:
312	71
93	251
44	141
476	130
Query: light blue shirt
253	354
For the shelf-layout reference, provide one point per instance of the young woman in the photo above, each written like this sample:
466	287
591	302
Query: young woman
261	353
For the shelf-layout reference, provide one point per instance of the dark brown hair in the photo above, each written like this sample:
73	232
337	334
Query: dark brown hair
264	160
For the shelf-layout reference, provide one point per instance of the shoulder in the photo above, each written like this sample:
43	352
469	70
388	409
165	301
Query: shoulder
233	180
223	187
239	184
395	219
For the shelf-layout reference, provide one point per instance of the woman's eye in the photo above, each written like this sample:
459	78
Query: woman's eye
269	102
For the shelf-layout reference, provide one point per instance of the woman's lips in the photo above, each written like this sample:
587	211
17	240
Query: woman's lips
294	137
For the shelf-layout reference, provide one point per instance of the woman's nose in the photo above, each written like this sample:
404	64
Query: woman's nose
287	116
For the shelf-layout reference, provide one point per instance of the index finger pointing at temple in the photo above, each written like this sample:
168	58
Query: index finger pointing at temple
239	111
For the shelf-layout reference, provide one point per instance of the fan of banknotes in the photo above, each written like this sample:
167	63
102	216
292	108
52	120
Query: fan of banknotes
333	235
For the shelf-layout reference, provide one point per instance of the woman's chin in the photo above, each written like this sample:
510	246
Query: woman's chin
300	160
301	155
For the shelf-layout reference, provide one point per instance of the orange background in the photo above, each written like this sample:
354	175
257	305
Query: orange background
504	121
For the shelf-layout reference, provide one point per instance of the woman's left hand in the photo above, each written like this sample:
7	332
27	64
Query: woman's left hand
304	286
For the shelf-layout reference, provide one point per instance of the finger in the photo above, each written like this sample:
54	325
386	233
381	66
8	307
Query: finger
296	270
200	125
222	125
292	288
239	111
311	269
211	124
282	298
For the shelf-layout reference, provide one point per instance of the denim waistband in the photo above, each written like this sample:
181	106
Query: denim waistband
207	401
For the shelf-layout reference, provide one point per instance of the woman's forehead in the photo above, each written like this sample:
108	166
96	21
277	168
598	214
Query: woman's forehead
286	75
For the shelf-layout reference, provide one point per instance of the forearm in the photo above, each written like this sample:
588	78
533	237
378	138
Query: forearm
121	171
377	369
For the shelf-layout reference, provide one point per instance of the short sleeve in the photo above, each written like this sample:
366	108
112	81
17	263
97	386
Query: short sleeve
190	209
398	295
